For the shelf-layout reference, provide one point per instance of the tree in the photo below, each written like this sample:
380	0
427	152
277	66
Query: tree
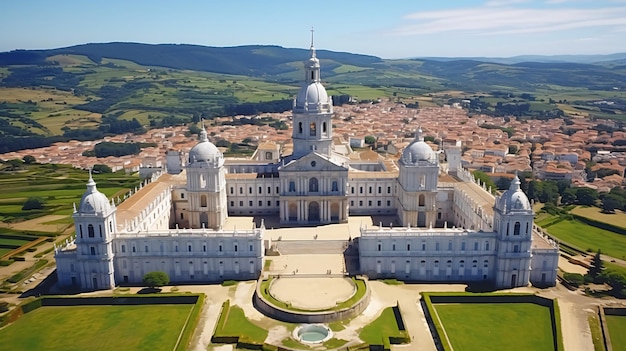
596	266
586	196
569	196
156	279
33	203
611	202
370	140
28	159
99	168
485	179
513	149
616	279
503	183
15	163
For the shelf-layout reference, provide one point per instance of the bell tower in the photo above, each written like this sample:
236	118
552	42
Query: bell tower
312	112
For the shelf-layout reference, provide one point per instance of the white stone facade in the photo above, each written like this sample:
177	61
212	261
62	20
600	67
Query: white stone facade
444	227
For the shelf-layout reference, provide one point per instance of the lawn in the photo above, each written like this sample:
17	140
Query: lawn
144	327
384	326
233	322
585	237
497	326
617	219
617	331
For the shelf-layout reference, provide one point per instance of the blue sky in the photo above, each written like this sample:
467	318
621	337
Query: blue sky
389	29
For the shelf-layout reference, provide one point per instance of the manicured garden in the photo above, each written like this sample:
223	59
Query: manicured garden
498	326
384	329
584	236
465	321
617	331
120	327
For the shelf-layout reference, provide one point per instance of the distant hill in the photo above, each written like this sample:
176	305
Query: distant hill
249	60
536	58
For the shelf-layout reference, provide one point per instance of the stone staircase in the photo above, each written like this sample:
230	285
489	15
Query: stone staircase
310	247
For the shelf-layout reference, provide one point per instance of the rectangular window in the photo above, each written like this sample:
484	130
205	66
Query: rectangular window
463	246
260	190
123	248
240	190
379	203
250	203
352	190
232	190
388	202
260	203
379	247
232	204
241	203
145	248
351	203
423	246
361	203
388	190
369	203
360	190
380	189
369	190
189	248
249	190
269	203
269	190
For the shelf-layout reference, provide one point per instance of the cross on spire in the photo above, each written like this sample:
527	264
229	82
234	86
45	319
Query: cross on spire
312	31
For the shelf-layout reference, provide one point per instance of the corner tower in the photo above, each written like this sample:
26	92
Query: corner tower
206	185
417	191
95	226
513	224
312	112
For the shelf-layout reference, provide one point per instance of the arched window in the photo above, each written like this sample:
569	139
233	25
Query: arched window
203	201
292	186
324	127
422	180
312	129
335	186
90	230
516	228
80	227
100	227
422	200
527	227
182	216
300	128
268	155
313	185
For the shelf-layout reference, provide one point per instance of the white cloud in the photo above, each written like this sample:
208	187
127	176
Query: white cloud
489	20
494	3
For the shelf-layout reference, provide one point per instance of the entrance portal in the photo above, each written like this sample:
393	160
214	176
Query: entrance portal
314	212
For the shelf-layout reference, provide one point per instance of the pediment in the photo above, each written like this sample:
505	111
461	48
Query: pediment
313	162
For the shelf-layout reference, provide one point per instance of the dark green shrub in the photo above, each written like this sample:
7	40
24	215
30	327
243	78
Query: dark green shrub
575	279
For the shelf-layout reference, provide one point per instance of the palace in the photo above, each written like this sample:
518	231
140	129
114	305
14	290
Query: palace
447	228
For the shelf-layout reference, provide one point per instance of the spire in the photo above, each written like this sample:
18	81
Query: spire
203	134
312	48
418	134
91	184
515	183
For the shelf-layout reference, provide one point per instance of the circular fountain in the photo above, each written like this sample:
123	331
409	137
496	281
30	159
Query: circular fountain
312	333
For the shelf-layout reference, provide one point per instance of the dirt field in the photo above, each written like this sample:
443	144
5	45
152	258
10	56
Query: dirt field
617	219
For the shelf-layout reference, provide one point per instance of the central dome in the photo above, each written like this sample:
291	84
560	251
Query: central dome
313	97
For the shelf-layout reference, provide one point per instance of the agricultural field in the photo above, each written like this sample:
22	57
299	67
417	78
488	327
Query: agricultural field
58	186
497	326
81	328
10	242
617	331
